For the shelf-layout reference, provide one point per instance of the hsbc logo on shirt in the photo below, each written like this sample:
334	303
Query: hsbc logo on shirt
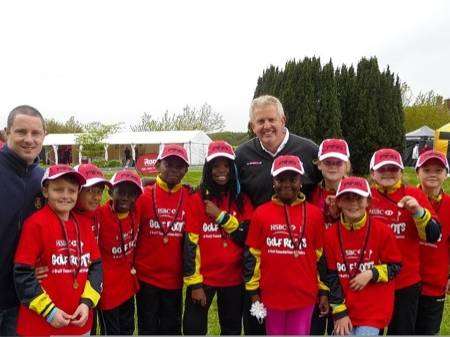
72	243
381	212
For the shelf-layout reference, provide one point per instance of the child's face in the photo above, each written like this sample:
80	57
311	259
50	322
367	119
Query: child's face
352	205
124	196
432	174
287	186
333	169
90	197
220	171
172	169
387	175
61	195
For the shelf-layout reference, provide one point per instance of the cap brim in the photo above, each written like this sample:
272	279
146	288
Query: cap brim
220	154
78	176
95	181
128	181
354	190
172	155
387	162
283	169
333	155
441	160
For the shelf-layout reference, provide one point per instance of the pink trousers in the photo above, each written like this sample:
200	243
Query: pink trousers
289	322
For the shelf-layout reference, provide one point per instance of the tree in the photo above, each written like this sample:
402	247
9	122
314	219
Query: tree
93	139
70	126
192	118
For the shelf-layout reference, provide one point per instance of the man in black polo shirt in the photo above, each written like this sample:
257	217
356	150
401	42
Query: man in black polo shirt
254	161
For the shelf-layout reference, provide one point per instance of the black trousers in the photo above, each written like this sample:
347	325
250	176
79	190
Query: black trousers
429	315
158	310
229	305
118	321
403	320
251	324
94	322
321	325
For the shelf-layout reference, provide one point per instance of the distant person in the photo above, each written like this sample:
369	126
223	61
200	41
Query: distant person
20	196
415	153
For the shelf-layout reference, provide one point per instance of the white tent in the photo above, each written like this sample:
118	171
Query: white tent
420	133
195	142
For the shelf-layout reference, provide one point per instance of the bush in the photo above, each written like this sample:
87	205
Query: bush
103	163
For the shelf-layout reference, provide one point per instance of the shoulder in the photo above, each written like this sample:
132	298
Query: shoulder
247	149
40	218
302	143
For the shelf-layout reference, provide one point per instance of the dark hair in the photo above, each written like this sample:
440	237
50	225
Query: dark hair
209	188
23	110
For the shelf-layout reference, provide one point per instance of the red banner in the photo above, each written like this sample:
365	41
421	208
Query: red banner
146	164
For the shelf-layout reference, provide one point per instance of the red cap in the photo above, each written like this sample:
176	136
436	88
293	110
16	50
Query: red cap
386	157
126	176
220	148
287	163
431	154
356	185
334	148
92	174
56	171
176	150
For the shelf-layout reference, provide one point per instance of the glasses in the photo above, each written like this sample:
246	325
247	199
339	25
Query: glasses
337	162
388	168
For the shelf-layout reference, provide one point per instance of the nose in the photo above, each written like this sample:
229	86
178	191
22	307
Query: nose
28	138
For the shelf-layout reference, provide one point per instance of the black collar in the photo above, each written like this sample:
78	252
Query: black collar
19	165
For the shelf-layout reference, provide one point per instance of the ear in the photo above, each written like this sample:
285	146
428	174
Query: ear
283	120
45	192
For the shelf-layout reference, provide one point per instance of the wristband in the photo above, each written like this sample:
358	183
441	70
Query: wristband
51	315
420	213
220	217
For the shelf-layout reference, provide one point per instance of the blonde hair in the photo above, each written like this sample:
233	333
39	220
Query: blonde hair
263	101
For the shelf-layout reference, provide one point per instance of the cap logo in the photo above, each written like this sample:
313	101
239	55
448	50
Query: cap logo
127	175
335	147
388	156
59	169
221	148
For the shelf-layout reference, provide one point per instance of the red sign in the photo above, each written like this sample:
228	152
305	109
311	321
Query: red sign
146	164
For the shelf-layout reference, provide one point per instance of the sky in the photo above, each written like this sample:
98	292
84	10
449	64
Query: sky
111	61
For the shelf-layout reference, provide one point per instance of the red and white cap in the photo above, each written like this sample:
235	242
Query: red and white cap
56	171
126	176
92	174
334	148
386	157
356	185
176	150
287	163
429	155
220	148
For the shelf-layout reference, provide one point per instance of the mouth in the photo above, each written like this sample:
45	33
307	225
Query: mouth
221	178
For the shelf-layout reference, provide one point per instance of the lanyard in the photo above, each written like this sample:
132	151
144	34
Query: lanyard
77	265
362	252
166	229
132	241
296	243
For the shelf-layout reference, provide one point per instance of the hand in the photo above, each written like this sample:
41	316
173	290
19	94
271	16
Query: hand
198	296
80	316
255	298
61	319
333	209
211	209
343	326
41	273
360	281
409	203
324	306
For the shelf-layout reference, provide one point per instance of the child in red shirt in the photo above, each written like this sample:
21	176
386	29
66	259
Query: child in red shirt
216	225
362	258
56	237
409	214
333	161
432	169
119	221
284	247
159	250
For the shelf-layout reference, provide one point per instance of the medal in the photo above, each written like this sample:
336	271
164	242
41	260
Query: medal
225	244
133	271
296	253
165	240
75	284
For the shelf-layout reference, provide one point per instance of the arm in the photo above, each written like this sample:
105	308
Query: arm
252	272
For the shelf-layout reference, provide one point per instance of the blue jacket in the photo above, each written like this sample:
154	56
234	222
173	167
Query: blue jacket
20	195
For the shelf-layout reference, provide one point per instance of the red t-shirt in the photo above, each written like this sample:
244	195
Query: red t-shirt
221	265
318	196
373	305
404	229
91	217
42	239
159	261
434	257
287	282
119	284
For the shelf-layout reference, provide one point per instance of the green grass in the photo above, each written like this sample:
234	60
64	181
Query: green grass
193	178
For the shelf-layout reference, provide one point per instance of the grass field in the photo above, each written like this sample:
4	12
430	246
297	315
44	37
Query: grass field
193	178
